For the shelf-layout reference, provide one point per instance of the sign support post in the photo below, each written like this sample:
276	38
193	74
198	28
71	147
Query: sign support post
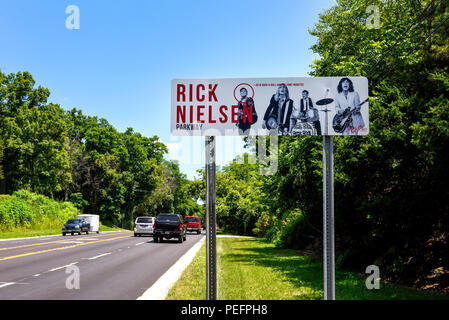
328	218
211	230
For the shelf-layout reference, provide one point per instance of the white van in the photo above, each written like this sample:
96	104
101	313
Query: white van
93	220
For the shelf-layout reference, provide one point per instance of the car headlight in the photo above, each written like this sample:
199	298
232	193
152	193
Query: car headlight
77	227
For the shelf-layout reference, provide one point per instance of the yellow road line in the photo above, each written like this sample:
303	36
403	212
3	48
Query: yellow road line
38	244
61	248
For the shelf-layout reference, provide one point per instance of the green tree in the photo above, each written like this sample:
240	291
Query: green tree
116	172
69	155
77	200
35	137
240	201
183	198
390	186
143	169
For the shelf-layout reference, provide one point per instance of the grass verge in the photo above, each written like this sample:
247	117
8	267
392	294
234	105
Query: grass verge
253	269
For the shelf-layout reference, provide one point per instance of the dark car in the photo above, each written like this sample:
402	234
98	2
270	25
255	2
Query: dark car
193	223
75	226
169	226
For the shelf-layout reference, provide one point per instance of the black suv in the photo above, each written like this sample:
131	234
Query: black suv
169	226
75	225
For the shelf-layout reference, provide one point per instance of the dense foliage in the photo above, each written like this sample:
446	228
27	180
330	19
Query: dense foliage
69	156
25	210
391	190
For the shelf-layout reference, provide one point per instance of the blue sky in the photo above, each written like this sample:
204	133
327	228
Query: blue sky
120	63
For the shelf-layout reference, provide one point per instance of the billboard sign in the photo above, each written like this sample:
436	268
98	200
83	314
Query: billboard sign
262	106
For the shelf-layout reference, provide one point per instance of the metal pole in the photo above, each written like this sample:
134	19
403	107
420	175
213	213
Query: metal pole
211	230
328	218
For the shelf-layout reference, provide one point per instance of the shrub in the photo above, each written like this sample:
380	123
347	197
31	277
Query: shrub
290	231
78	201
25	210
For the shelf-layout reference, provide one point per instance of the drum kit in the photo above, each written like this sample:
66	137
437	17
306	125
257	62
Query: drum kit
325	102
273	124
300	127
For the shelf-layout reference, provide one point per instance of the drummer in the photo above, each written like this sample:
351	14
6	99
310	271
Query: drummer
307	113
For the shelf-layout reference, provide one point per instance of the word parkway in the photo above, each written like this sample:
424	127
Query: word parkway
185	126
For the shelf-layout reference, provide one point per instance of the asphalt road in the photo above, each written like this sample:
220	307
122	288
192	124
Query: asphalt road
110	266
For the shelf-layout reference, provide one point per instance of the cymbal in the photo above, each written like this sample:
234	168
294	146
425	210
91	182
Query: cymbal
323	102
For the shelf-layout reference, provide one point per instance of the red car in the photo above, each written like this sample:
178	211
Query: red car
193	224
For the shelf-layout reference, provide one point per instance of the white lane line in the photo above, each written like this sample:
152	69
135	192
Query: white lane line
5	284
37	275
63	267
99	256
160	288
138	244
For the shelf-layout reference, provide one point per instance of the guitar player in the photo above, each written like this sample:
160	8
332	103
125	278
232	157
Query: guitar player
348	98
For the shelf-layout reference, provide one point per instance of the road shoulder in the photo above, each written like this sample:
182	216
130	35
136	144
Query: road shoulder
159	290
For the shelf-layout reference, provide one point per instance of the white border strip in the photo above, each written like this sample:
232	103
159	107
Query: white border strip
159	290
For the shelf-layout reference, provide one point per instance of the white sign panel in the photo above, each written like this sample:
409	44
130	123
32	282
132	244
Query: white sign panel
256	106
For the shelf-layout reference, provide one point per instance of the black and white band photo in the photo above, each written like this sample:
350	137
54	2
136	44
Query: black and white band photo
282	114
348	119
279	111
247	114
312	106
306	117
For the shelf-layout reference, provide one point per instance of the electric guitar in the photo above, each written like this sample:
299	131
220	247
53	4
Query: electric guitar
342	121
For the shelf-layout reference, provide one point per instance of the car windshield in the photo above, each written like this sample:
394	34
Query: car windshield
191	219
168	217
73	221
144	220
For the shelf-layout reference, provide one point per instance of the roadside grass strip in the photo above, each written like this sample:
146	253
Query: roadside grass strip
253	269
